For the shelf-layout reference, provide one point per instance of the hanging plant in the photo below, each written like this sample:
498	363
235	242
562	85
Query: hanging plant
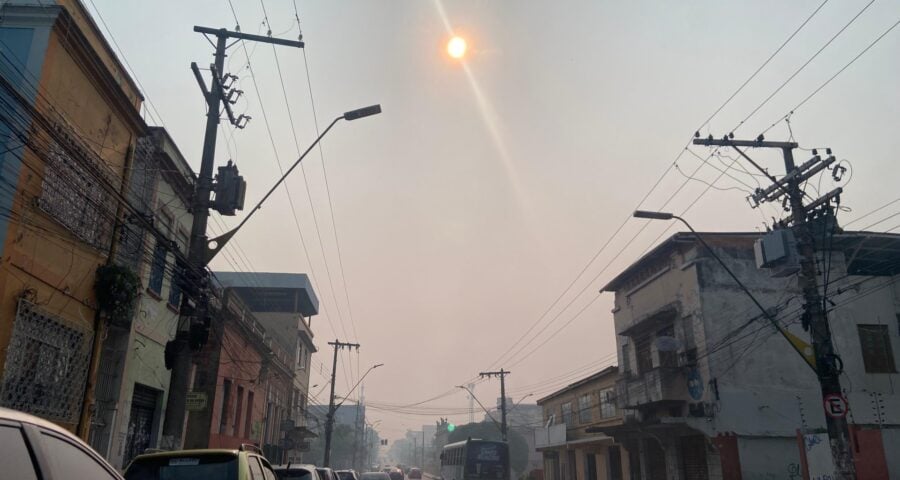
117	290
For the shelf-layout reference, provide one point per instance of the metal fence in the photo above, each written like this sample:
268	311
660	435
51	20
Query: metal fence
46	365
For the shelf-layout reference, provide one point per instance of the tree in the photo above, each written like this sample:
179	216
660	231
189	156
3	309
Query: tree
518	447
341	448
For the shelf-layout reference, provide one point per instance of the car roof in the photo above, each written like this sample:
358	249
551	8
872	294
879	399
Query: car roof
188	453
295	465
22	417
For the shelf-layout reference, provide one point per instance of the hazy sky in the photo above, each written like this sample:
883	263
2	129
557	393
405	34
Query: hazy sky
486	186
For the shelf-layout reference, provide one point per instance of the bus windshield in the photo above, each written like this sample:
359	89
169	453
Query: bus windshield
486	460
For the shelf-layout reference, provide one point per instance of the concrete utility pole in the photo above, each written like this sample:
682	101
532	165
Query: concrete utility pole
826	361
502	374
199	252
329	418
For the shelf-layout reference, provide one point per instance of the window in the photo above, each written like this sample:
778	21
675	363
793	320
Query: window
226	405
158	267
566	409
642	353
72	193
301	362
70	461
626	359
238	410
607	403
46	365
248	420
584	409
875	344
16	459
175	288
666	346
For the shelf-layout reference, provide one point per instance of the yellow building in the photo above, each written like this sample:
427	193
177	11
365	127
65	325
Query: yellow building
572	441
69	121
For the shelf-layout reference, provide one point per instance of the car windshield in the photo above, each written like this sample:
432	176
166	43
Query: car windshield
293	474
345	476
220	467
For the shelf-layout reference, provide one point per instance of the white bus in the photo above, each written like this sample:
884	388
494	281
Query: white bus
475	459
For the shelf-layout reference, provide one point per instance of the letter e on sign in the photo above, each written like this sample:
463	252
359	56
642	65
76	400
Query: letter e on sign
836	405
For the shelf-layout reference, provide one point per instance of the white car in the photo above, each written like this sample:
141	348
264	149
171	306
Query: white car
34	448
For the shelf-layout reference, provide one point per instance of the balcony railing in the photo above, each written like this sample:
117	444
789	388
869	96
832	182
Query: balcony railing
550	436
660	384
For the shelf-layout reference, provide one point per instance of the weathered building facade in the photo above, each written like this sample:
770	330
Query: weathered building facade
70	123
572	442
712	390
133	378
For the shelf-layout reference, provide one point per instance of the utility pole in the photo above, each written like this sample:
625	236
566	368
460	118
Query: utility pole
502	374
193	324
329	419
826	361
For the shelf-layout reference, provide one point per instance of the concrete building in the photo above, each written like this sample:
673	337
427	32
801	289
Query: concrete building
711	390
133	380
284	303
572	442
241	384
69	126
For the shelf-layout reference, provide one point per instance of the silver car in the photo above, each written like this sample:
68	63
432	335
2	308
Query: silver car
34	448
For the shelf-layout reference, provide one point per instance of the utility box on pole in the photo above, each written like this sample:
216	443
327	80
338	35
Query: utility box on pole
777	250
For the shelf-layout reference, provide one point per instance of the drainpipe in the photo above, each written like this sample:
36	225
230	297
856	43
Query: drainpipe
88	401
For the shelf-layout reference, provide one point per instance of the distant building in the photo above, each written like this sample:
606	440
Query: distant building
572	441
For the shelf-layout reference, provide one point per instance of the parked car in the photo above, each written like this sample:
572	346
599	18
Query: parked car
35	448
347	475
414	474
246	463
296	472
396	474
326	473
375	476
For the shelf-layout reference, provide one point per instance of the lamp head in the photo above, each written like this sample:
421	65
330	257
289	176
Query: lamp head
362	112
652	215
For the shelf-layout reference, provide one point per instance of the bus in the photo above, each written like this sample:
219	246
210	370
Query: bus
475	459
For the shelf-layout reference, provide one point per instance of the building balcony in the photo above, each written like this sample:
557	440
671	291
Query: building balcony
656	386
552	436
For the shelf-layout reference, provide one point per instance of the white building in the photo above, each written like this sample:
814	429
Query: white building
711	390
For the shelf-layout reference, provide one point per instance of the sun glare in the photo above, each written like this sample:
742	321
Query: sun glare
456	47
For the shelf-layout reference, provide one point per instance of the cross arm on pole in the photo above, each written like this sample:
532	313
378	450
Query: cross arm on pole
221	32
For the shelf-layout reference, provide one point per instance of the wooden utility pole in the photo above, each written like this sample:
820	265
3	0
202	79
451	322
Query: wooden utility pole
502	374
329	418
827	363
194	316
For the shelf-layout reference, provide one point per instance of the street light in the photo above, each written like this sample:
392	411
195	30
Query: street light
215	244
669	216
329	419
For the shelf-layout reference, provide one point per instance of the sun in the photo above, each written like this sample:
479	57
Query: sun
456	47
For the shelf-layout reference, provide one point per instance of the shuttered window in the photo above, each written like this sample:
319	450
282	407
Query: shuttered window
875	344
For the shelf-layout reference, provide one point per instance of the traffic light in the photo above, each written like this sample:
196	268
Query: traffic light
230	189
451	427
384	442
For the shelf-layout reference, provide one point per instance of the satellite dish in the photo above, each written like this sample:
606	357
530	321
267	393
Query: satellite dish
667	344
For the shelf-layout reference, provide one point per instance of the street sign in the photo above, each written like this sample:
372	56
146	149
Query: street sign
195	401
836	405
